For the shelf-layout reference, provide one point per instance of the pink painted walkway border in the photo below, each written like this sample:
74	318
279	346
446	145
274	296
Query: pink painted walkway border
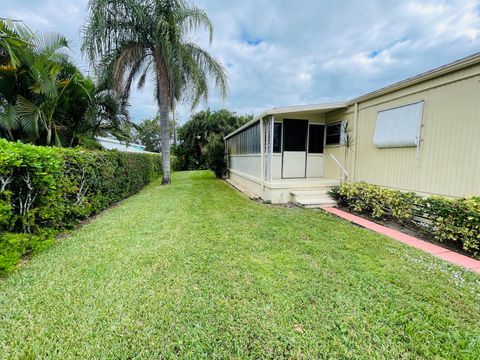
435	250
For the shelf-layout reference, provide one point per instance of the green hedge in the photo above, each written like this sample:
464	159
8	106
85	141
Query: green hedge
452	221
47	189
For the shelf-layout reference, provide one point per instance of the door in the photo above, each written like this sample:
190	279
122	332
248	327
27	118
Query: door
316	140
295	134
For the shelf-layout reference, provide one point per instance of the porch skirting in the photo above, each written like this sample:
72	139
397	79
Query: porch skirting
279	191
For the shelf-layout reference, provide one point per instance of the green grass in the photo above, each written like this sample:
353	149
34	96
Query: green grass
196	270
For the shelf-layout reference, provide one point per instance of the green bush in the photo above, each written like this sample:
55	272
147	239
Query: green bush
54	188
453	221
215	154
13	246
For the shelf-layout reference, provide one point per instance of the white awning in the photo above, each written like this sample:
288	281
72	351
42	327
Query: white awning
399	127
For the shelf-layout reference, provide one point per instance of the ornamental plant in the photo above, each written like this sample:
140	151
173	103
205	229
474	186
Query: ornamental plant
453	221
44	190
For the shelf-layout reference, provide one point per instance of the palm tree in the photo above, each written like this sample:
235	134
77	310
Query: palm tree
44	63
14	37
138	38
14	41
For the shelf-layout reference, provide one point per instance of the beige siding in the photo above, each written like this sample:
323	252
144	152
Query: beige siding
448	161
332	170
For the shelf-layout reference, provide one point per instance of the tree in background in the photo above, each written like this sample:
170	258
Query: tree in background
130	38
14	36
149	133
45	99
201	139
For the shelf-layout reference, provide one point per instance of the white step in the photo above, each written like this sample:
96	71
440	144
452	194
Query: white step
313	198
319	206
310	193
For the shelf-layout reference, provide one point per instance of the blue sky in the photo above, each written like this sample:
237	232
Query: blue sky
283	52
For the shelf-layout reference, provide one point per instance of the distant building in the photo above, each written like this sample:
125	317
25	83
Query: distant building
114	144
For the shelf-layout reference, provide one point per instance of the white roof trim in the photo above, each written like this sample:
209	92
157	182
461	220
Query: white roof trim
289	110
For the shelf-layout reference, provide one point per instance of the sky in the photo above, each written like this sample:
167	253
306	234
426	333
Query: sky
284	52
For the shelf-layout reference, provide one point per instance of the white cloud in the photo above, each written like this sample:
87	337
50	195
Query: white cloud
281	52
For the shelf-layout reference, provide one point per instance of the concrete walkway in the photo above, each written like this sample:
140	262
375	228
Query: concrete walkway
435	250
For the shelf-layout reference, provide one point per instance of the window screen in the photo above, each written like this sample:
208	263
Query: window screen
316	136
277	137
295	135
399	127
333	134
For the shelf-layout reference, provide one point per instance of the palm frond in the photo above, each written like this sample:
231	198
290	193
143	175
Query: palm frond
8	118
201	65
192	18
30	116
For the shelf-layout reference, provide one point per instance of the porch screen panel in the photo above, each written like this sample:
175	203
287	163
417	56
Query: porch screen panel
316	139
399	127
246	142
295	135
277	138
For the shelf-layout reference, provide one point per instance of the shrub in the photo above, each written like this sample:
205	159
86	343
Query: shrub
13	246
215	154
454	221
54	188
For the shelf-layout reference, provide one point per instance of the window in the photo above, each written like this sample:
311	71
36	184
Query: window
277	137
295	135
334	133
399	127
316	139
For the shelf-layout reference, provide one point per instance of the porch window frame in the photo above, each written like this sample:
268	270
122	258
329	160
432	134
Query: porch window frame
324	137
336	123
281	138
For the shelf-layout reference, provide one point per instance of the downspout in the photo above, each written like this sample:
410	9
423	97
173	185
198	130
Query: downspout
262	154
355	121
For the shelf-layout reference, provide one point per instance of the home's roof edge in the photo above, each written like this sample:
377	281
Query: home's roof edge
431	74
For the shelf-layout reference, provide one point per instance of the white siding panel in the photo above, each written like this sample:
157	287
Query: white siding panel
314	165
277	166
247	164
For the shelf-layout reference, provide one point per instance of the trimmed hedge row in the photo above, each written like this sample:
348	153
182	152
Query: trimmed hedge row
47	189
453	221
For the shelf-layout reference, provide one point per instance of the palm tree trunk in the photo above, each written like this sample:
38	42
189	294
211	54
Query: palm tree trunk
165	140
164	110
49	135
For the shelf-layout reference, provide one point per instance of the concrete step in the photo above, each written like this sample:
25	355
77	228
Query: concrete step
312	198
320	206
310	193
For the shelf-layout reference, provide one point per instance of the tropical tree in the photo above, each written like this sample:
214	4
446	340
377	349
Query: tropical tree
45	99
14	37
88	109
14	42
201	139
149	133
138	38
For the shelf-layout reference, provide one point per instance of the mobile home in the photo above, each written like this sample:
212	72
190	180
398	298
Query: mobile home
421	134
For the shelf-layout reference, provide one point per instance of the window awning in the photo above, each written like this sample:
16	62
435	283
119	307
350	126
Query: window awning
399	127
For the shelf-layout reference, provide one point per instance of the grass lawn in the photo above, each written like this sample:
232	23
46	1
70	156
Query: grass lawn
196	270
